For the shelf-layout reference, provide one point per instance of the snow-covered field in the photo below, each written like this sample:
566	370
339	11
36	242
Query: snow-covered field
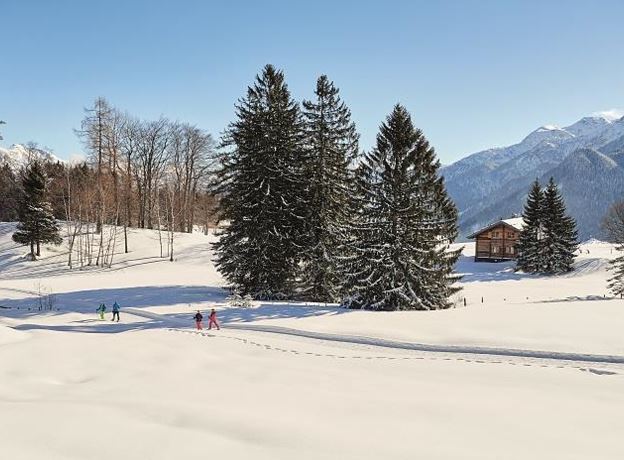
314	387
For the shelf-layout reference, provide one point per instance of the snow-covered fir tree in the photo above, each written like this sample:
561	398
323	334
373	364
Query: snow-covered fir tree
36	221
530	248
548	240
331	146
263	191
560	236
407	221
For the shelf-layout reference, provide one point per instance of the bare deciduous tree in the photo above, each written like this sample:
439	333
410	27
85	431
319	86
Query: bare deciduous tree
150	160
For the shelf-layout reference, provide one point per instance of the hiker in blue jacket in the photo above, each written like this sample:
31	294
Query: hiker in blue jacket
115	311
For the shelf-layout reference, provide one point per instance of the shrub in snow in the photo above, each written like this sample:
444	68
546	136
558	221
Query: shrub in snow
236	300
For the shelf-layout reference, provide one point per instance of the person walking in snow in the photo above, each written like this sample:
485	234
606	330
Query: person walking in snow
212	320
115	311
198	320
101	310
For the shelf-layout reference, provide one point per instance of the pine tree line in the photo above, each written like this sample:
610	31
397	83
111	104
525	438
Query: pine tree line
548	240
304	216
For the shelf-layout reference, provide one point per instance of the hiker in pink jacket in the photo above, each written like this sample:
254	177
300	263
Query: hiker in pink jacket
212	319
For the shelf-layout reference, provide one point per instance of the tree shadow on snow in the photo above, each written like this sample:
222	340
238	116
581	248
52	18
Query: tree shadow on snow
197	297
97	327
138	296
576	298
277	310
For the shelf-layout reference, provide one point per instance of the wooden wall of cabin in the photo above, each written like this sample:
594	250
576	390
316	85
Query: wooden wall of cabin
497	243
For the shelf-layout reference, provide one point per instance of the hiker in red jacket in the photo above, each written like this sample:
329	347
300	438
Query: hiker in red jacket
212	319
198	320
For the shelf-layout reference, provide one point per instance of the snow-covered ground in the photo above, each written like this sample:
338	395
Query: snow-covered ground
74	387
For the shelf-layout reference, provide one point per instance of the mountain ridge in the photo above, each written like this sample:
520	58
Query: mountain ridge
19	155
493	183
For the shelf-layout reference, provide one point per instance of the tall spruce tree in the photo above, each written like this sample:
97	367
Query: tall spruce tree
263	191
331	145
407	222
560	235
36	221
530	247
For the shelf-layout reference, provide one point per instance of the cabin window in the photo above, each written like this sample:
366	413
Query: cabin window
495	249
510	250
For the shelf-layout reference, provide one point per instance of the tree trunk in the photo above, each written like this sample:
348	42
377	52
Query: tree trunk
171	227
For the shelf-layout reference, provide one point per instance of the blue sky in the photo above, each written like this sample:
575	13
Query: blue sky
474	74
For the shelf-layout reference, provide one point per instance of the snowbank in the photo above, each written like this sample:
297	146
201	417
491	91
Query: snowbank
151	387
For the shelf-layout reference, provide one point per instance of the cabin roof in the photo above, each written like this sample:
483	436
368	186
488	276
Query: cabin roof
515	223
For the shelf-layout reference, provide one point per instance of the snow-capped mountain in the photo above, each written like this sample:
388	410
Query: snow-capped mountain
493	183
19	155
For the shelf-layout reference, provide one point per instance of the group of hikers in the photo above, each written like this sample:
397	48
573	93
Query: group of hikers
212	318
102	309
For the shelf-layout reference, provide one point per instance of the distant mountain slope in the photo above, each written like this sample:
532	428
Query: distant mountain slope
18	155
586	158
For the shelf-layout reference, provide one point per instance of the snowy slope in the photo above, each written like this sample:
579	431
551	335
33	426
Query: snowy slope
142	279
157	389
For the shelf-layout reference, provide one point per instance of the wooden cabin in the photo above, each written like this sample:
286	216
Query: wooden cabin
497	241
